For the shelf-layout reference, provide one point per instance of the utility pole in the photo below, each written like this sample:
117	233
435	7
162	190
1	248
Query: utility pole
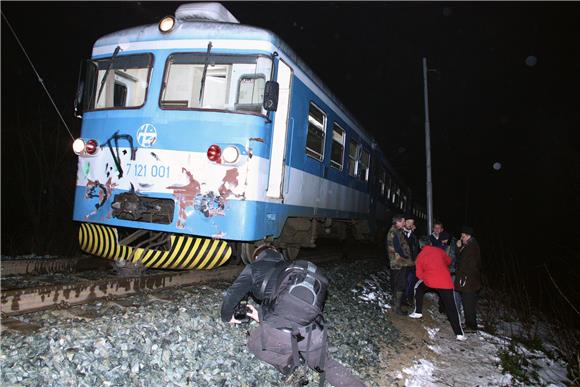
428	151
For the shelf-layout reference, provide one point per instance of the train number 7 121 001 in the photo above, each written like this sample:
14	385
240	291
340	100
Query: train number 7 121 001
147	170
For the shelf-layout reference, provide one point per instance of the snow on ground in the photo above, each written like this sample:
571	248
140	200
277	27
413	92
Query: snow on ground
420	374
372	291
443	360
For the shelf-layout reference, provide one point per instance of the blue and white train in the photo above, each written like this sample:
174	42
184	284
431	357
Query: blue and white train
202	138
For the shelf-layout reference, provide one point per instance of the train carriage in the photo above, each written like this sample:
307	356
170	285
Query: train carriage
202	137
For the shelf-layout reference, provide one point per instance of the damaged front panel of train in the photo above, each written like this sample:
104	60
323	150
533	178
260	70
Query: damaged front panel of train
174	144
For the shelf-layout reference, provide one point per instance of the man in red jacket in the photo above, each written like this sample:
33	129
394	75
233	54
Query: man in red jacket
433	273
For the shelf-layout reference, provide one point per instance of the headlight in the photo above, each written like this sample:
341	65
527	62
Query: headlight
166	24
230	154
78	146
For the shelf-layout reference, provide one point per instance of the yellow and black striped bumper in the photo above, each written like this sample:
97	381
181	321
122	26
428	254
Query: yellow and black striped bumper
186	252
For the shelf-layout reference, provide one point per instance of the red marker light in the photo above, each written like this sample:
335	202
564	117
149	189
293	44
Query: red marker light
91	147
214	153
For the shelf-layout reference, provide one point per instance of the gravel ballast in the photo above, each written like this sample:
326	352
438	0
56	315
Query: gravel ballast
177	338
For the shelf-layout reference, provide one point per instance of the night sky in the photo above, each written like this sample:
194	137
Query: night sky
504	88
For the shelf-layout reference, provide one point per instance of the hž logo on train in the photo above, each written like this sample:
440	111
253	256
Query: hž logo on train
147	135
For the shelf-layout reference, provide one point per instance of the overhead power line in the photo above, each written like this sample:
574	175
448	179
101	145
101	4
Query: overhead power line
37	75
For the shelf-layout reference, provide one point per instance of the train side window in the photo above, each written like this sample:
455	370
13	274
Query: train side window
352	158
388	185
337	151
365	159
316	132
382	181
399	199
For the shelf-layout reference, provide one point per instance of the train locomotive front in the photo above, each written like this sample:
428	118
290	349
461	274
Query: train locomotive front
174	147
202	138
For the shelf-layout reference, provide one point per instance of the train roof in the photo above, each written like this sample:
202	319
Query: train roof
220	30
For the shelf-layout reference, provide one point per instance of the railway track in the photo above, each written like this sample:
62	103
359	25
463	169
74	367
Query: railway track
37	297
19	301
53	265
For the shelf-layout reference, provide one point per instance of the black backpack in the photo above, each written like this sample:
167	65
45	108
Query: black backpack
298	297
299	294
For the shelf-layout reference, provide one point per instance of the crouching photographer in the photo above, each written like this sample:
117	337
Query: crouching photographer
291	331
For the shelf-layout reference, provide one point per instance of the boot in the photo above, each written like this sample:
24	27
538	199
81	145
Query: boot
397	304
408	301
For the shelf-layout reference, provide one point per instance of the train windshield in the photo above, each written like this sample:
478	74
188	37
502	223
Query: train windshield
118	82
217	82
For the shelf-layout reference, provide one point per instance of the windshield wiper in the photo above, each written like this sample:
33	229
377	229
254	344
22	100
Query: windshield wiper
209	45
117	49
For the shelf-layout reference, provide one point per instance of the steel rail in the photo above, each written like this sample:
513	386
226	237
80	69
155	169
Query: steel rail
52	265
21	301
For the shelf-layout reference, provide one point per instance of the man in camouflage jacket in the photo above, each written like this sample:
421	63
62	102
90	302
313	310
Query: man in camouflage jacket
399	259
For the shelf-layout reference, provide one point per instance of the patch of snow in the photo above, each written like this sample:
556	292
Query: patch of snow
551	372
372	291
420	374
432	332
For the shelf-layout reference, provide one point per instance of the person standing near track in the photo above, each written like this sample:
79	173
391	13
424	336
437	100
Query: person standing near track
439	237
411	238
433	273
399	259
468	276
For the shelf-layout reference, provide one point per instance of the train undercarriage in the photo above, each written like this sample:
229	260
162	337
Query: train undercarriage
162	250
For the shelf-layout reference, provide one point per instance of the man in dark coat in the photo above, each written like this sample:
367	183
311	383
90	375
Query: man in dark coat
271	341
439	237
468	276
409	235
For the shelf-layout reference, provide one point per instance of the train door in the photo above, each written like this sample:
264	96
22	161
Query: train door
280	133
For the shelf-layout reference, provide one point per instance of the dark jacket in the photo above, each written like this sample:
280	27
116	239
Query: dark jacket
468	274
413	243
438	242
250	282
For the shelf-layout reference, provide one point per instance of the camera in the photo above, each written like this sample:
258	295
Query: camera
241	312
